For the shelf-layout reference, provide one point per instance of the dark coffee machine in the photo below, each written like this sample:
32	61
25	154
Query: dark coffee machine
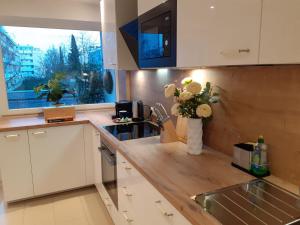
123	109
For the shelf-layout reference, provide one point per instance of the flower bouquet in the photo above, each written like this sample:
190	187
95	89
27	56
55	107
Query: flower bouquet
193	102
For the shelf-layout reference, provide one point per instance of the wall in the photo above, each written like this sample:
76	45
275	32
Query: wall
255	100
56	13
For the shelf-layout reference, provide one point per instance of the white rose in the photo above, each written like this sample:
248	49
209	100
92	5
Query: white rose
184	96
194	87
170	90
204	110
175	110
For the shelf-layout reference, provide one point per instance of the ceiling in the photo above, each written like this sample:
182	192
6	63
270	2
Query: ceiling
84	1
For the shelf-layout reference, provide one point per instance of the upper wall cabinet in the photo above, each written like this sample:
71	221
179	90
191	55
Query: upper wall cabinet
218	32
280	33
146	5
114	14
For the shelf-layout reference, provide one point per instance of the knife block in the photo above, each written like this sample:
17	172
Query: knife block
59	114
168	132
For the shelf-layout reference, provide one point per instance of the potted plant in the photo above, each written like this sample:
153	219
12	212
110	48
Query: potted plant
54	90
194	103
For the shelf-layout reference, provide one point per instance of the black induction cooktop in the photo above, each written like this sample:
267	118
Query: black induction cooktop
130	131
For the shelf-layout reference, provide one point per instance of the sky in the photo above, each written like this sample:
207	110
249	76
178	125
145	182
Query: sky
43	38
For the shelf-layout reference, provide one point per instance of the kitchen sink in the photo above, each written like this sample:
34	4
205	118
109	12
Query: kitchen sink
255	203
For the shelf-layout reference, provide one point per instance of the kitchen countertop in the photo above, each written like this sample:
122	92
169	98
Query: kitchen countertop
177	175
12	123
168	167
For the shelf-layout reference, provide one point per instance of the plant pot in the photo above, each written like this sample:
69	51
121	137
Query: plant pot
194	136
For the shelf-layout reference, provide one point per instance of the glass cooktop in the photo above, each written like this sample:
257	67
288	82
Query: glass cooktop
130	131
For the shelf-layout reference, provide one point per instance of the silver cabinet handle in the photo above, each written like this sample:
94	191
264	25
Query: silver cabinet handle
128	168
128	220
12	136
126	193
163	211
247	50
39	133
107	203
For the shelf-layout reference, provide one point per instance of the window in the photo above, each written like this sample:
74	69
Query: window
34	56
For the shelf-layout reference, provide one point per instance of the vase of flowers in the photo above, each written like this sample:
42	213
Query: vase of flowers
194	103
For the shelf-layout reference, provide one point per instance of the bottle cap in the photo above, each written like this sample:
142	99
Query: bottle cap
261	139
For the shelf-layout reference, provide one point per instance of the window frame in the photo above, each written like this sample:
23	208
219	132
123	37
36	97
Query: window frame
5	111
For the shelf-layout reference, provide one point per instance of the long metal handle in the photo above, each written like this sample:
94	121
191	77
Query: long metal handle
39	133
163	211
126	193
107	203
12	136
128	220
128	168
247	50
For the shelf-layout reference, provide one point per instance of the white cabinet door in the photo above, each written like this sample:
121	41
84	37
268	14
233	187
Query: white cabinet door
58	159
89	154
218	32
15	165
109	38
97	159
115	14
146	5
280	32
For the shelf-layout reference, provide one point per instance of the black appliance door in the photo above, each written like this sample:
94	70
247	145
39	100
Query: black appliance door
157	36
109	173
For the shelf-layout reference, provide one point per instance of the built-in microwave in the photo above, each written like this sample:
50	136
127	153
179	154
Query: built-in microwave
157	36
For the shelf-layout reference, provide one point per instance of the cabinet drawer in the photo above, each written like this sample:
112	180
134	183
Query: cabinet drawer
137	195
127	174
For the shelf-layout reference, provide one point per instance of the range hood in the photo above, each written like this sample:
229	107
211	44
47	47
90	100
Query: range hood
130	33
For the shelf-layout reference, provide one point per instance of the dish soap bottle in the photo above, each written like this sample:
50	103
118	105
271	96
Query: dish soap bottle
259	165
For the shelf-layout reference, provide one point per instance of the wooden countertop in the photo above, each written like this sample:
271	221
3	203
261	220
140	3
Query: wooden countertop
12	123
168	167
177	175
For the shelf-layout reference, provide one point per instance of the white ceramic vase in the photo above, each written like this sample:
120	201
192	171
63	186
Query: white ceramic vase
194	136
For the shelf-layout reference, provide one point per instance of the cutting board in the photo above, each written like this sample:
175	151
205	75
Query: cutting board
181	129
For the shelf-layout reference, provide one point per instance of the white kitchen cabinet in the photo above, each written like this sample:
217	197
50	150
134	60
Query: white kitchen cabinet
218	32
58	158
115	14
147	5
280	32
97	159
89	133
15	166
140	202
